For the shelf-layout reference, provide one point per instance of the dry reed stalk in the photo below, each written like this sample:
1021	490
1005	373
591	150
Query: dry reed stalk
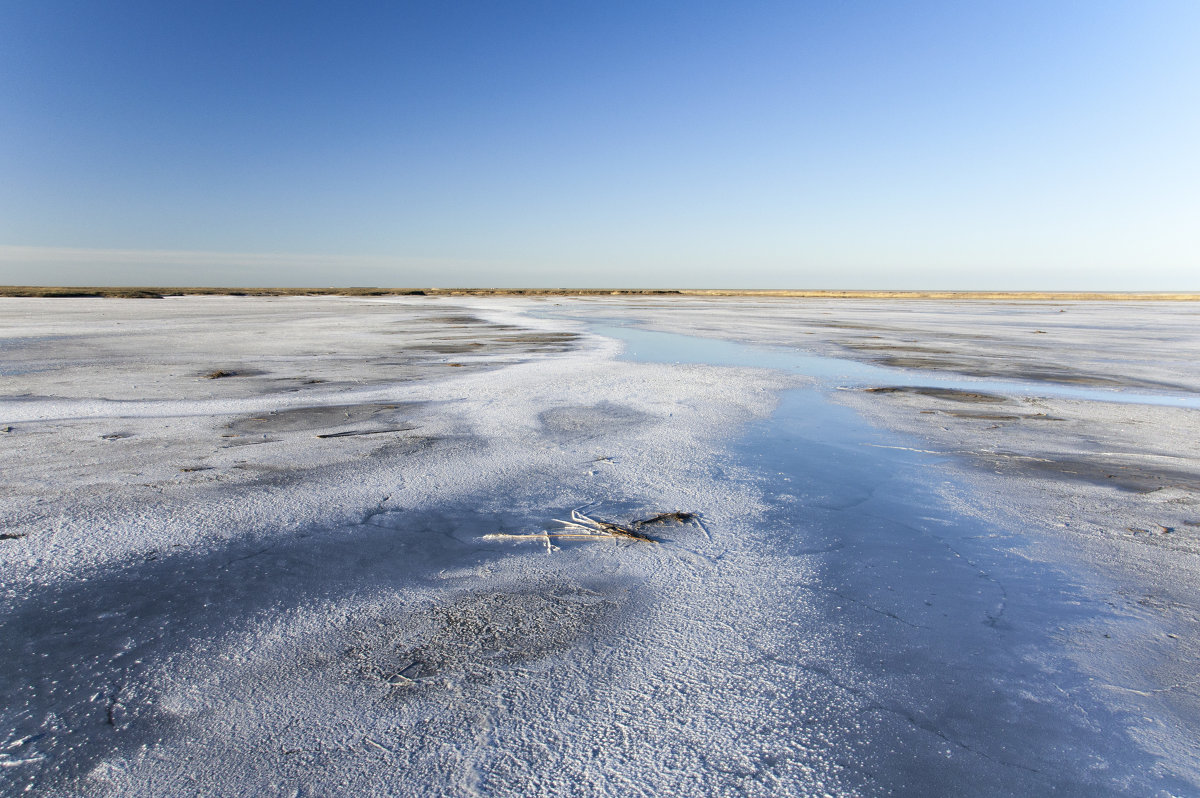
585	527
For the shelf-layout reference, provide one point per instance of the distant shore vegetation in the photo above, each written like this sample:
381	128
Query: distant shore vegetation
142	292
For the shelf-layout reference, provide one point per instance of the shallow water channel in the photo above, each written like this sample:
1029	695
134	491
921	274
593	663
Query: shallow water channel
660	347
960	639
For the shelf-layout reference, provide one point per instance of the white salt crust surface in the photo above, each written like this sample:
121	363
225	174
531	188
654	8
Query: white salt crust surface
277	613
232	630
1106	492
1111	491
1148	345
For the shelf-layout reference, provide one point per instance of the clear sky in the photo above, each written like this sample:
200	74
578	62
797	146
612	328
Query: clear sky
966	145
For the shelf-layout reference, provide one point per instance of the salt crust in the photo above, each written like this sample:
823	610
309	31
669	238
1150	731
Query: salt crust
209	614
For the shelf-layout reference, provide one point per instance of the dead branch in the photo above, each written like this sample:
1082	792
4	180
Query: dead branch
676	516
586	527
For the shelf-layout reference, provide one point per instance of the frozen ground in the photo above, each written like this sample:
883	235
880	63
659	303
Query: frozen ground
243	548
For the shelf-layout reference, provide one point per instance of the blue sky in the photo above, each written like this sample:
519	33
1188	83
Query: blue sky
981	145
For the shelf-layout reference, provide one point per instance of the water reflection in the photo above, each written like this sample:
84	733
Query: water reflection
662	347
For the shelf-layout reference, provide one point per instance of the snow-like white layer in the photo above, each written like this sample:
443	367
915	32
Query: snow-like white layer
164	458
1105	494
1152	346
204	597
233	630
1111	494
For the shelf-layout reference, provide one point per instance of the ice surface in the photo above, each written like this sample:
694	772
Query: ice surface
275	581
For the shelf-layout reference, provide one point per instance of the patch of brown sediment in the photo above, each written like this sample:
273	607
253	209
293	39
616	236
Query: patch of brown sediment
1125	476
473	637
527	343
848	325
983	416
541	338
353	433
477	337
450	348
1008	367
892	348
541	341
220	374
996	416
462	334
294	384
1010	370
952	394
240	441
457	319
326	417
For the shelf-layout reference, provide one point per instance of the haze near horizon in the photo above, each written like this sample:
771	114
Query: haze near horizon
985	146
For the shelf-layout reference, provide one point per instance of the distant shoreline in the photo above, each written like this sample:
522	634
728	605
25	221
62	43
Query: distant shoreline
138	292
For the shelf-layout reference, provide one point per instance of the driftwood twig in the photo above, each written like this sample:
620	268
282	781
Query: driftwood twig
587	527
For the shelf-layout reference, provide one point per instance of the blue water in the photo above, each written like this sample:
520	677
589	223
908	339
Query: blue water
663	347
953	628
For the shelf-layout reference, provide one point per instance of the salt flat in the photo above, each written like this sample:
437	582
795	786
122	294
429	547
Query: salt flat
245	546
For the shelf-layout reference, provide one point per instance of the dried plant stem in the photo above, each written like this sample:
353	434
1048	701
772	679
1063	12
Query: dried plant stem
580	527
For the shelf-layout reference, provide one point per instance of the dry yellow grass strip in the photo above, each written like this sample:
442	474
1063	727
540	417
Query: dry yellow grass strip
157	292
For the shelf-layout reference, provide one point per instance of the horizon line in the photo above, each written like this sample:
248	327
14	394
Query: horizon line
157	292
